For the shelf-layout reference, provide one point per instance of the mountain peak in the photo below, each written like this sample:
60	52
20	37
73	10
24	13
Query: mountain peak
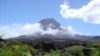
49	22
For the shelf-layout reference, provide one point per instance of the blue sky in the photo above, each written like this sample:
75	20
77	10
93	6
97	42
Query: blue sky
32	11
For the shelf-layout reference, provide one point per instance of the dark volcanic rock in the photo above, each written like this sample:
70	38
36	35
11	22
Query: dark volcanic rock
49	23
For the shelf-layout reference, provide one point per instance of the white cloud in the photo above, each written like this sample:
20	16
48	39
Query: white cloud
69	30
50	31
89	13
17	30
32	29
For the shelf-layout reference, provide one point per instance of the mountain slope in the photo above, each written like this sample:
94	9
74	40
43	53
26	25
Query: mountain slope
49	22
50	26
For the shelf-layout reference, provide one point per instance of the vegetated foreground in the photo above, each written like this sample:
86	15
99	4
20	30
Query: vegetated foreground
17	48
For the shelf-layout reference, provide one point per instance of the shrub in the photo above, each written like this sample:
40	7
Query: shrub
75	50
17	49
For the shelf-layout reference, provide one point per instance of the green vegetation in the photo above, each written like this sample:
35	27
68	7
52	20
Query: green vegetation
95	49
16	48
53	53
75	50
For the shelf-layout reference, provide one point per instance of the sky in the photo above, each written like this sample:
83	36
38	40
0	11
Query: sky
81	15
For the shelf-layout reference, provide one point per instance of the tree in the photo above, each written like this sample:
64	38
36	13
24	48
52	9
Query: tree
75	50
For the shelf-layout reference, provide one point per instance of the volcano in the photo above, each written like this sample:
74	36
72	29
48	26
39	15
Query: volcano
49	22
49	26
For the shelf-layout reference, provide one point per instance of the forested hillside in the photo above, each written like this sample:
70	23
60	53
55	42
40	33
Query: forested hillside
17	48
